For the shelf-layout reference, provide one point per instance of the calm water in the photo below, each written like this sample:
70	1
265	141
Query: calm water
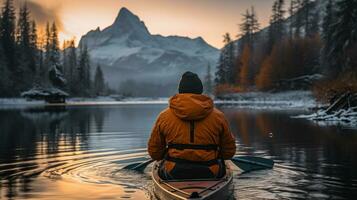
77	153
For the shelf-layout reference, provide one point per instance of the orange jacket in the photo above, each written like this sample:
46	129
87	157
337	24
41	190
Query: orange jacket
173	126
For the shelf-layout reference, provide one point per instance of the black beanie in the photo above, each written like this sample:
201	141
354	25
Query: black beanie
190	83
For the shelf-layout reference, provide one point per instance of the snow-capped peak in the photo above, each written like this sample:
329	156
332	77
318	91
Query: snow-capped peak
126	22
127	50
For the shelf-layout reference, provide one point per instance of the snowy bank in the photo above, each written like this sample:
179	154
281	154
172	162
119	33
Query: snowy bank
265	100
252	100
342	117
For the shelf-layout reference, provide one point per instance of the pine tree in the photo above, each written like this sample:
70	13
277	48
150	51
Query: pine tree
221	71
276	28
34	48
65	59
292	11
328	20
47	47
2	66
254	24
310	17
226	62
208	81
72	68
343	33
99	83
244	64
42	67
33	35
229	59
315	21
53	58
4	80
55	55
7	35
84	72
297	17
26	42
249	26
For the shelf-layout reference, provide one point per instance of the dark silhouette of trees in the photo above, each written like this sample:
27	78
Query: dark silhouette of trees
276	28
208	85
27	61
225	66
99	84
7	35
344	35
249	26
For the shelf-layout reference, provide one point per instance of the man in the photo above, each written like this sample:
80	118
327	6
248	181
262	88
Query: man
191	136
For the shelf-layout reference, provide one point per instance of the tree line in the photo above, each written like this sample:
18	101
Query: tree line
300	41
28	60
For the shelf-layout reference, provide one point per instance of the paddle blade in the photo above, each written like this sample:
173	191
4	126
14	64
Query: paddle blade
251	163
138	166
132	165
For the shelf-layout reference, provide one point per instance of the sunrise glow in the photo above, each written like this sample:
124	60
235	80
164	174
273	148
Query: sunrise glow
190	18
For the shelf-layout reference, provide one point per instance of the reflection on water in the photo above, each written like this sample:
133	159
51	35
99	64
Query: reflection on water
313	162
78	152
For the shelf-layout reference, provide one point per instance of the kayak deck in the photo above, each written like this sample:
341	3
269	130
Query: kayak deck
193	189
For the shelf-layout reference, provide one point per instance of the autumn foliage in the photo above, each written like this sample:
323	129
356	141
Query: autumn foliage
327	90
289	59
223	89
245	72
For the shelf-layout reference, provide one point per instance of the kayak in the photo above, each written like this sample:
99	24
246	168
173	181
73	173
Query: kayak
194	189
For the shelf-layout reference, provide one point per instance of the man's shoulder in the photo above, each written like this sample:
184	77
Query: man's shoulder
164	113
217	115
217	112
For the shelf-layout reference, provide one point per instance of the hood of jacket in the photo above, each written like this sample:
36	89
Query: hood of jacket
191	106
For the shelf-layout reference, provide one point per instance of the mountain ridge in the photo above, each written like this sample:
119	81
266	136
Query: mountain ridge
128	51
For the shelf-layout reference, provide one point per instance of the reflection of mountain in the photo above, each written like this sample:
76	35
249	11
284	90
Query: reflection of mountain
127	51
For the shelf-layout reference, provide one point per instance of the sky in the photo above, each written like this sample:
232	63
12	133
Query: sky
209	19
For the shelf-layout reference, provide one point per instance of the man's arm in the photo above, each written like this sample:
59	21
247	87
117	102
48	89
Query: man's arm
228	142
156	144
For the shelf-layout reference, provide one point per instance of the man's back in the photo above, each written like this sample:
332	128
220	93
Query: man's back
194	131
191	136
174	125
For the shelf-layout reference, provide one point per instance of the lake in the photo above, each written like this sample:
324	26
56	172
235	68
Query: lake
77	152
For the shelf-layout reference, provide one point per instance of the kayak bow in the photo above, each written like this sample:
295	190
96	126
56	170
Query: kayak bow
198	189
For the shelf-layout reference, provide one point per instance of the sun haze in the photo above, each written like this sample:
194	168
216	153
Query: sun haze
209	19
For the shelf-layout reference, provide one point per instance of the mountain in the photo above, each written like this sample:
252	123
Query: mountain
129	53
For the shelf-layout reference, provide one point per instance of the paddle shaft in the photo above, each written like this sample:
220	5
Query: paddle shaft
143	165
250	160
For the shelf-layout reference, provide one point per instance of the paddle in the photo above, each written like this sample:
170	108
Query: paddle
246	163
251	163
138	166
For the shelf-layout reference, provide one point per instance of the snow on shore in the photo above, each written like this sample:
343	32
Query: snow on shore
263	100
347	118
7	103
252	100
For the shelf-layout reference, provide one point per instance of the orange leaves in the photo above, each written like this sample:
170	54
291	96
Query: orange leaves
246	68
263	80
223	89
326	90
289	59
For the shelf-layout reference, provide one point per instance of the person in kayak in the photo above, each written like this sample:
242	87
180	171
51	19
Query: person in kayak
191	136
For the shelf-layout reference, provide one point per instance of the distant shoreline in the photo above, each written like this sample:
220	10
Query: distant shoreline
252	100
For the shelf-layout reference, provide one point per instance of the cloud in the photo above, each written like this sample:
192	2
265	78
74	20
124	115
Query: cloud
40	13
43	15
